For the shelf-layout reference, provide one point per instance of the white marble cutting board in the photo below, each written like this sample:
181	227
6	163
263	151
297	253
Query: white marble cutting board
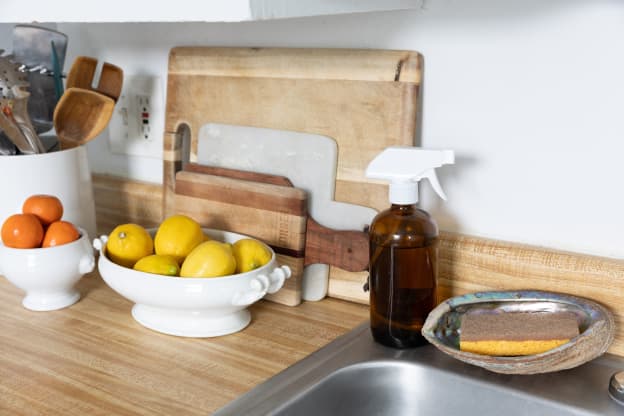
308	160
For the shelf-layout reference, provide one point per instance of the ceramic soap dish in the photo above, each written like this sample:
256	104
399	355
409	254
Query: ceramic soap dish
596	329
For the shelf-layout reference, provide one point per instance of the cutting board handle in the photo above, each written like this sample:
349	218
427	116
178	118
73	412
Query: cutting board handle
347	250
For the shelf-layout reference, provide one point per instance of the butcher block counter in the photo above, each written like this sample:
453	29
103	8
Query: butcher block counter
93	358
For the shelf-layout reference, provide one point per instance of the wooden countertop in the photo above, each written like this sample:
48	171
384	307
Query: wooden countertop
93	358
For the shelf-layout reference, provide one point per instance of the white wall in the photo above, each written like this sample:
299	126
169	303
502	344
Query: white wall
529	94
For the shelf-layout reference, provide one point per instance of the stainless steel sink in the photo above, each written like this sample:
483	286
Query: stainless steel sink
356	376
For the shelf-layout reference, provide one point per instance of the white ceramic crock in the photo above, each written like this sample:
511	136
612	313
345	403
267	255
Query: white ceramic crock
48	275
64	173
193	307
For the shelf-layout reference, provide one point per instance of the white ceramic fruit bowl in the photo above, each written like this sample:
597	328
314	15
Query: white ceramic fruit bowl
193	307
48	275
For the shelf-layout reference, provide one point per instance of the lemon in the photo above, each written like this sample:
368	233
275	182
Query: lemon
158	264
177	236
128	243
250	254
209	259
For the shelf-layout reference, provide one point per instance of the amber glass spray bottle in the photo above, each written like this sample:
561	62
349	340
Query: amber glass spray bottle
404	247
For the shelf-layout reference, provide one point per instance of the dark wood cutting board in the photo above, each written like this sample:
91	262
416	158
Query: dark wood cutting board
268	207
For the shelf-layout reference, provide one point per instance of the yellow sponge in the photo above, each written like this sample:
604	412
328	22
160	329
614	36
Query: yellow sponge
516	333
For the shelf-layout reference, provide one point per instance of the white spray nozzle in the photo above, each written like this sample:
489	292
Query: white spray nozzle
404	166
435	183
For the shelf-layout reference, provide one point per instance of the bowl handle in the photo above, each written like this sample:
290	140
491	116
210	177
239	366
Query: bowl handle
262	284
99	243
257	289
86	264
277	278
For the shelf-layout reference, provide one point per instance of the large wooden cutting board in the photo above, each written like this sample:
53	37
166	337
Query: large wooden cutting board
366	100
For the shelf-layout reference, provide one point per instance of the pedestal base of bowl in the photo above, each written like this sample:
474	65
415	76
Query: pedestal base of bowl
190	323
50	301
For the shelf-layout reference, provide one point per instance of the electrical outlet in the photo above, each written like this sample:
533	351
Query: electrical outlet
137	125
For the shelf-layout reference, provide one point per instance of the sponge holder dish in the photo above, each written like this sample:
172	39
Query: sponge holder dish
596	327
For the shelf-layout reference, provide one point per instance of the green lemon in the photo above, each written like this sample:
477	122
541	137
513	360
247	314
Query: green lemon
250	254
209	259
158	264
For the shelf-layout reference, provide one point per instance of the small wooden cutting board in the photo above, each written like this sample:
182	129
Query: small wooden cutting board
269	208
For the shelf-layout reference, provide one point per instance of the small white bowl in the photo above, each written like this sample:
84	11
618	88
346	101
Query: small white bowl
48	275
193	307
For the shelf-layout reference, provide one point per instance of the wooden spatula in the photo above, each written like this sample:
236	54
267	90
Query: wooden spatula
82	73
80	115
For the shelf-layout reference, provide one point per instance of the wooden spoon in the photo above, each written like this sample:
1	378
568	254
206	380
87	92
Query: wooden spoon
83	70
81	73
80	115
111	81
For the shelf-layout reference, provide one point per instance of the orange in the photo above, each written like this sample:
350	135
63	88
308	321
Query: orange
22	231
60	232
47	208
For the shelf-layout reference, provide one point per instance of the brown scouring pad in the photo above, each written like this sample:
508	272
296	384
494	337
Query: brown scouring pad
516	333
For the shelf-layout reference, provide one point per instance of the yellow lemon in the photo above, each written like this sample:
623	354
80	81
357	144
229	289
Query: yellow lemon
209	259
177	236
158	264
128	243
250	254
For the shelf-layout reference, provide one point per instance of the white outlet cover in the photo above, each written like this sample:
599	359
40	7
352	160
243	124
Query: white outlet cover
125	132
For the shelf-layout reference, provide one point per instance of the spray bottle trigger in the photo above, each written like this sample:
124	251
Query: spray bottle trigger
435	183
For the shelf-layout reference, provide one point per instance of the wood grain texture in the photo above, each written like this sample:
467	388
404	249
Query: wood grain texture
118	200
173	159
240	192
348	286
347	250
239	174
364	99
298	63
94	359
290	293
